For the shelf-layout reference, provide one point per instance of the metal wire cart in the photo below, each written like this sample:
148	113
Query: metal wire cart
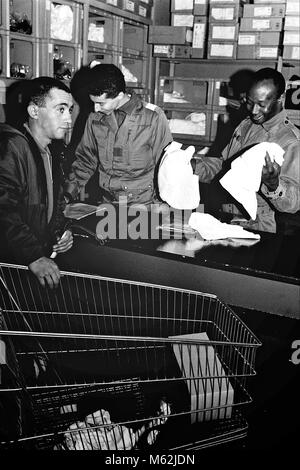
106	364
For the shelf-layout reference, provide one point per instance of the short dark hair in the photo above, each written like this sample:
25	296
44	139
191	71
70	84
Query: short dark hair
39	88
106	78
270	74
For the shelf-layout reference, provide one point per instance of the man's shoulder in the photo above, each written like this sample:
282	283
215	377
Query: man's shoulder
291	129
12	135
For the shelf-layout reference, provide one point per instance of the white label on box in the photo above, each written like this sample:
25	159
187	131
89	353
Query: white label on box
129	5
223	32
296	53
113	2
222	101
292	8
223	50
263	11
198	36
142	11
261	24
160	49
216	116
184	4
50	48
292	21
270	52
246	39
291	38
222	14
183	20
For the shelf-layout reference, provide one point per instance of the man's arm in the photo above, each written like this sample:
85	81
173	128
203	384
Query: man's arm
17	233
282	185
84	165
162	135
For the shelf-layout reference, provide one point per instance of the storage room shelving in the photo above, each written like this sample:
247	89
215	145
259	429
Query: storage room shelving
55	38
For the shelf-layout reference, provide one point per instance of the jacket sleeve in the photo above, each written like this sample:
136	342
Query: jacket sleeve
287	196
162	135
208	167
85	162
17	234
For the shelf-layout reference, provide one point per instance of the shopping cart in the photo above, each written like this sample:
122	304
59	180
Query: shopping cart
101	363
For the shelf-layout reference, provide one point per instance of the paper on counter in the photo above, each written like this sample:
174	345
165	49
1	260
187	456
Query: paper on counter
211	228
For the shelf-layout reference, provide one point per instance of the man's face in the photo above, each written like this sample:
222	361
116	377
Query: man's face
105	105
54	118
262	102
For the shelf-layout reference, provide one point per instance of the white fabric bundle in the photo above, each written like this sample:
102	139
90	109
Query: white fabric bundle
177	184
243	180
211	228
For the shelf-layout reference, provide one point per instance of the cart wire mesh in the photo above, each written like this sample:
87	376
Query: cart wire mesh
102	363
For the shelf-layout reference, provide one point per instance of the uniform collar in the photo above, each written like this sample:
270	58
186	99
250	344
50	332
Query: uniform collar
130	105
275	120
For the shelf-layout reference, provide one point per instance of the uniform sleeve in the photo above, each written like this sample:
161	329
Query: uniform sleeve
16	232
162	135
85	162
208	167
287	196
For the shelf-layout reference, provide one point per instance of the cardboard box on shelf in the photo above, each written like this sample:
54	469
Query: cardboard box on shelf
179	19
257	52
265	10
292	23
130	5
221	50
171	51
291	52
269	1
170	35
261	24
262	38
223	31
201	7
291	38
144	10
182	5
225	13
199	37
292	7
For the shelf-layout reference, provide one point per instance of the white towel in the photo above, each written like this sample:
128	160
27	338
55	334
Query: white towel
243	180
177	184
211	228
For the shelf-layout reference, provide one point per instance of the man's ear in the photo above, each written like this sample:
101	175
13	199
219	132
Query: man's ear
33	110
281	98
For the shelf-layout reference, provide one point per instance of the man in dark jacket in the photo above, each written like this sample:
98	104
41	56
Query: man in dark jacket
31	218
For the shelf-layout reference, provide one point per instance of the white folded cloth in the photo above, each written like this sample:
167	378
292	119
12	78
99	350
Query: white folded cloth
211	228
177	184
243	180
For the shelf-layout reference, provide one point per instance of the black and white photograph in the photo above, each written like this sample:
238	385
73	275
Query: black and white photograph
149	231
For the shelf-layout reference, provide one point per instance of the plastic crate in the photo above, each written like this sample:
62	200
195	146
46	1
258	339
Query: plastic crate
23	17
134	39
191	124
64	21
101	31
185	92
23	57
134	70
101	56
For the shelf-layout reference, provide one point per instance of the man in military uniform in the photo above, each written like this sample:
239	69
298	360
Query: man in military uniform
279	195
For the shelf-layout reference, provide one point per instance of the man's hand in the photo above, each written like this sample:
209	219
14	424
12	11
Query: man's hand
270	174
46	271
64	243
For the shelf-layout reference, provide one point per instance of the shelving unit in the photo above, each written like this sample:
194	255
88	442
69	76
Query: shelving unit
59	36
